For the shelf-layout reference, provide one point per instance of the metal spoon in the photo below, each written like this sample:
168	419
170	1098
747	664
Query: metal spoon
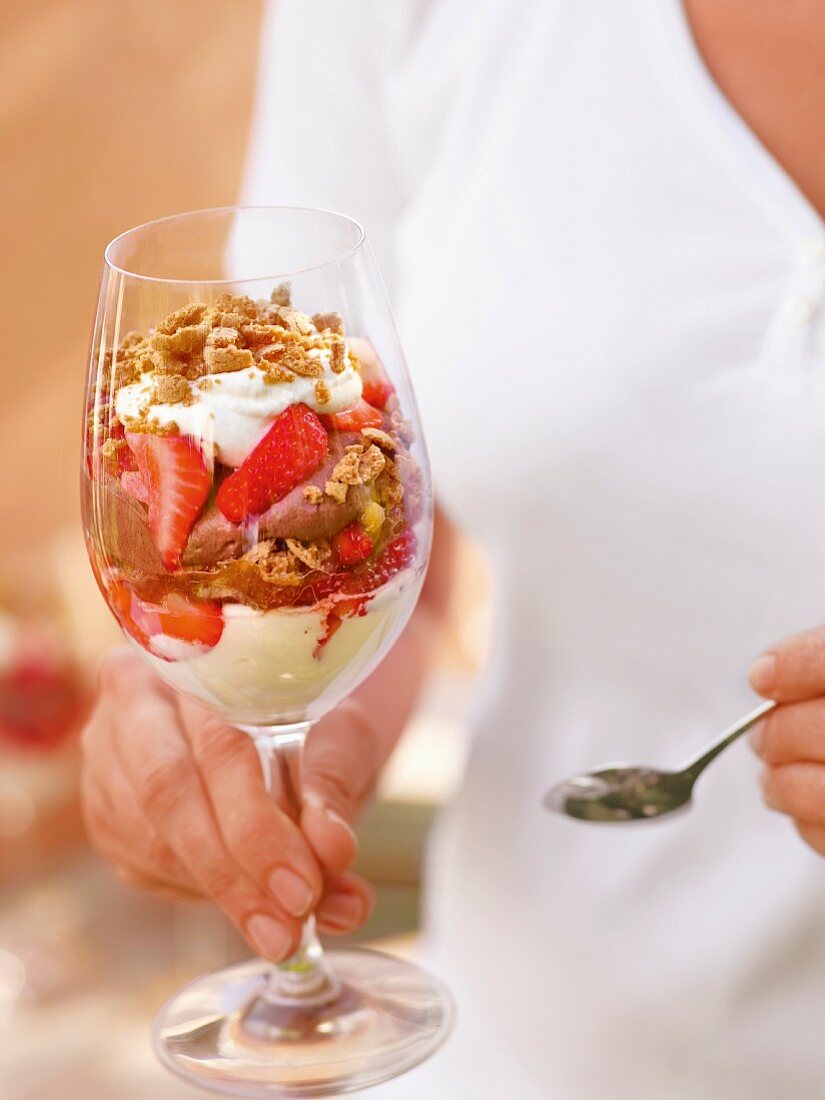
621	792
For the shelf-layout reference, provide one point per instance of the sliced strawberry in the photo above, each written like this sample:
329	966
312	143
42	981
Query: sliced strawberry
352	545
130	613
293	448
396	555
191	620
177	482
176	616
377	393
351	592
376	382
360	416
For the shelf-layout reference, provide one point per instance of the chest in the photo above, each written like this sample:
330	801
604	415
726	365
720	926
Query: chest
612	311
768	61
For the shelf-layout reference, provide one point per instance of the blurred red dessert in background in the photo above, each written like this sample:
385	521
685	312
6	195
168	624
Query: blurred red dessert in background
43	696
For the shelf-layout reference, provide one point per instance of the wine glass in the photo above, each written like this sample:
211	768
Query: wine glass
258	513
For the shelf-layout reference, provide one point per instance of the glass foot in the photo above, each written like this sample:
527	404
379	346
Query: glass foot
378	1018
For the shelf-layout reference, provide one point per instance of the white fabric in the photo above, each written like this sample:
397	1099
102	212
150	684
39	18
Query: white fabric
611	300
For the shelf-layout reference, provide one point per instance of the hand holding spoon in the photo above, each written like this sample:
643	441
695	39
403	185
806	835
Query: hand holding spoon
622	792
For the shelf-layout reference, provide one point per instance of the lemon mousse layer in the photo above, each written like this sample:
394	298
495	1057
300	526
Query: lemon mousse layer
280	666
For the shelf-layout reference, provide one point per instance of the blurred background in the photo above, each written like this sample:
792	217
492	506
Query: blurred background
114	112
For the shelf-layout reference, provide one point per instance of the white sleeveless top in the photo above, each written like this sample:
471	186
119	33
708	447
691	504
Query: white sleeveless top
611	300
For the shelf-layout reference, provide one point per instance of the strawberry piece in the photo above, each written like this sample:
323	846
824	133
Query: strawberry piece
350	593
377	387
177	482
129	612
359	416
395	556
352	545
176	616
292	449
377	392
199	621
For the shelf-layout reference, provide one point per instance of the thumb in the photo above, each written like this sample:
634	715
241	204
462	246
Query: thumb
792	670
338	773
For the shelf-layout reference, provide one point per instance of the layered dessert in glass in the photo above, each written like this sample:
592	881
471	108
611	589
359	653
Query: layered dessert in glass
253	504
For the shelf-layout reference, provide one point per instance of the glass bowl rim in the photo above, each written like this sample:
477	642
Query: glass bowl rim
343	255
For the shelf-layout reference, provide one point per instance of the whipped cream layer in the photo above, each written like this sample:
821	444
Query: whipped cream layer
264	669
233	411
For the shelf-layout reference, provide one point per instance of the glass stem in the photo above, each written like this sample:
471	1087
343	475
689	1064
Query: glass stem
305	975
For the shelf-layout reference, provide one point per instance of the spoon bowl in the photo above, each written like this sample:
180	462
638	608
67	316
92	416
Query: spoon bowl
620	792
625	792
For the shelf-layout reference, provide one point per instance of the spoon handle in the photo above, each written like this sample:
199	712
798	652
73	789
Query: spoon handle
697	766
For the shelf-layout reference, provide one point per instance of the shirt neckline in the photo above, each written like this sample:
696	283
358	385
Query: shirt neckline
721	125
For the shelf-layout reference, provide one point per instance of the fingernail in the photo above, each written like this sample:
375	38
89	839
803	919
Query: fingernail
756	737
342	911
315	802
269	937
291	891
763	673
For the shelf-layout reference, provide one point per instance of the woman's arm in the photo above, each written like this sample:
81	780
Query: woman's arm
174	797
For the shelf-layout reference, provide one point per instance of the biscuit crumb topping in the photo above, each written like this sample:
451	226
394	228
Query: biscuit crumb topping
291	319
171	389
313	494
315	555
336	490
332	321
322	394
357	466
222	336
281	295
232	334
185	317
380	438
228	359
338	358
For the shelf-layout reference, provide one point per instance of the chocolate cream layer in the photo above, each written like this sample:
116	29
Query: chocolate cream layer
214	538
126	537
